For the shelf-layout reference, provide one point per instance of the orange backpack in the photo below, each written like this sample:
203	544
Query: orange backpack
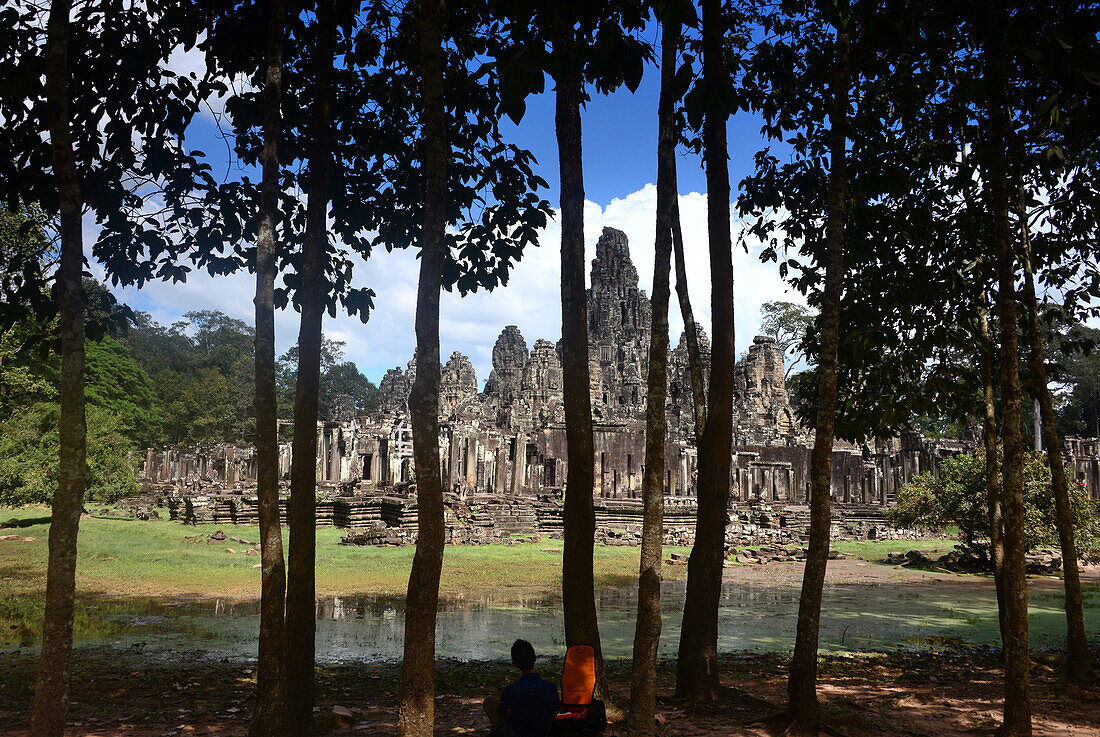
578	682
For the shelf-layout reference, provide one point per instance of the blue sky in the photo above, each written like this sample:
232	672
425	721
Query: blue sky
619	143
619	147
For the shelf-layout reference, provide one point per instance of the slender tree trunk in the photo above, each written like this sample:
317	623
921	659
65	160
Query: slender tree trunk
1017	709
989	407
51	693
578	588
992	469
804	710
269	718
1077	662
697	657
301	599
416	713
691	329
647	633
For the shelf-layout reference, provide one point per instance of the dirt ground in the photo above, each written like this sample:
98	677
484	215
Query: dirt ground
941	694
134	691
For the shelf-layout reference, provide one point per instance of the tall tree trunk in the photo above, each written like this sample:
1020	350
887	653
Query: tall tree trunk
647	633
804	710
269	718
301	599
697	657
51	693
691	329
416	713
1017	709
992	468
1077	662
579	516
989	403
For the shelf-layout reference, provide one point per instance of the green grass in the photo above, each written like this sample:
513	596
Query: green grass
122	557
878	549
118	557
874	550
131	565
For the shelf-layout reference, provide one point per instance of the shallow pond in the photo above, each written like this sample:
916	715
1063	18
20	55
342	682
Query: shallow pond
760	614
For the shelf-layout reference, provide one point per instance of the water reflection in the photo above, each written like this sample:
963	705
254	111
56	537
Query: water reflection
483	626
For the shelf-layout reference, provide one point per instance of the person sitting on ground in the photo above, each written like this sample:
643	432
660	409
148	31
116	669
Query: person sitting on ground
526	708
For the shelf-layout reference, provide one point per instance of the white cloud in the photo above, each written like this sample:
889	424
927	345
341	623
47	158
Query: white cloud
471	324
192	62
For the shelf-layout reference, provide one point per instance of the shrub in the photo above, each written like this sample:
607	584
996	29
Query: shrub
958	496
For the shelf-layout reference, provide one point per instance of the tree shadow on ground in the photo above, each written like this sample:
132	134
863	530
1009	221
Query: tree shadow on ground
15	523
125	691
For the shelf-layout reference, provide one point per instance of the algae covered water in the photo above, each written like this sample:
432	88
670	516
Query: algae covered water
906	610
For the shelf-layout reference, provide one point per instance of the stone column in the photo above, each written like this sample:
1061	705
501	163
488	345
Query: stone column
332	468
470	480
501	459
517	465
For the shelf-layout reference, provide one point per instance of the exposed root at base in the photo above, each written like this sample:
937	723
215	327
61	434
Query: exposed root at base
780	724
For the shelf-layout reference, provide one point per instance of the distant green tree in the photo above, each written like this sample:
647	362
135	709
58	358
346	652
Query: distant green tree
200	407
788	323
345	378
30	374
201	374
117	384
29	456
24	378
219	341
337	377
331	353
958	496
157	348
1079	413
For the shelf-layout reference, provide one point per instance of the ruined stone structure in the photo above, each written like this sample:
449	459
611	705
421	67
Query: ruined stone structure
393	390
457	385
507	442
618	332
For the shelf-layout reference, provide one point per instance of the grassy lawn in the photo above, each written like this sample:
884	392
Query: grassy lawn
122	561
878	549
147	559
121	557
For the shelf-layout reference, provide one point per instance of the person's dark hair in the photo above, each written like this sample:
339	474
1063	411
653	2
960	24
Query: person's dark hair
523	655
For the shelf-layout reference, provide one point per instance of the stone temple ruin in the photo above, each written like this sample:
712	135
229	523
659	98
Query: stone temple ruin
503	449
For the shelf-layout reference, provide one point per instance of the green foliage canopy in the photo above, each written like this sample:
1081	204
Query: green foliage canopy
788	323
29	456
114	382
337	377
958	497
1080	374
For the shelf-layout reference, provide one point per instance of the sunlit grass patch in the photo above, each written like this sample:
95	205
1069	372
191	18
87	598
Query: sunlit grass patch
125	557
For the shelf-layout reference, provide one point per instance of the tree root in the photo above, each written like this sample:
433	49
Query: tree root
780	724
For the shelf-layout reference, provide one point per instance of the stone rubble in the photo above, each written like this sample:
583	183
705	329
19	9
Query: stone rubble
1042	561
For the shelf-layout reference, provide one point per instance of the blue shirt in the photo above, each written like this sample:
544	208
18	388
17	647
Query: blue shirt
529	705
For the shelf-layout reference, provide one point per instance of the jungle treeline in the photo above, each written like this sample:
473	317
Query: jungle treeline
147	386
